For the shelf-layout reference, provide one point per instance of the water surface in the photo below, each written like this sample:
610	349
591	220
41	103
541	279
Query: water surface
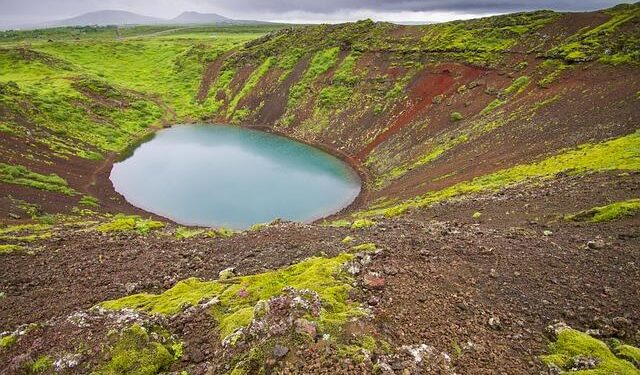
214	175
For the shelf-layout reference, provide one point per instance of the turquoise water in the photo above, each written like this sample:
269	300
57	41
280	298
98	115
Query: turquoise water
214	175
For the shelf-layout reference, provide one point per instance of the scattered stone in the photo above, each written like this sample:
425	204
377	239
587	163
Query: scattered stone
373	281
598	243
196	355
494	323
493	273
280	351
373	301
14	216
131	287
227	273
547	232
306	327
389	270
581	363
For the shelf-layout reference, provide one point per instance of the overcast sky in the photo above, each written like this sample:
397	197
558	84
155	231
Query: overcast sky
26	11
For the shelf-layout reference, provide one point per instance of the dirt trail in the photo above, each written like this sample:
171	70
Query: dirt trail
210	75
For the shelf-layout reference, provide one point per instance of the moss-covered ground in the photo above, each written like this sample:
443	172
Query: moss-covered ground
237	296
572	347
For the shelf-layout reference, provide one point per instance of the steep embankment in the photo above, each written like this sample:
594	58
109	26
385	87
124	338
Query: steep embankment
504	164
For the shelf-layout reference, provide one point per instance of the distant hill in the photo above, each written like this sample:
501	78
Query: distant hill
120	17
200	18
106	17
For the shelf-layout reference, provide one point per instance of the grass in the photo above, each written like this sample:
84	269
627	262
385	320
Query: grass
622	153
321	275
251	83
20	175
571	344
321	62
130	223
613	211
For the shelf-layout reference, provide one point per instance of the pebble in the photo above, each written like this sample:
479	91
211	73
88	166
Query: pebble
280	351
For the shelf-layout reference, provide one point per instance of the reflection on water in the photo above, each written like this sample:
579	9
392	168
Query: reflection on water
233	177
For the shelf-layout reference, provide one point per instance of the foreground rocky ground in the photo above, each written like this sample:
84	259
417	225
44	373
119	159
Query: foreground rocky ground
441	291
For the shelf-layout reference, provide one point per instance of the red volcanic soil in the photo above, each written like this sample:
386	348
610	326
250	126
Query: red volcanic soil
422	91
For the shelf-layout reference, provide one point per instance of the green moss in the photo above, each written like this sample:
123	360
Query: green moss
320	64
456	116
183	232
362	223
348	239
366	247
6	249
628	353
609	212
220	232
618	154
90	201
251	83
124	223
605	42
136	352
322	275
23	233
518	85
571	344
7	341
41	365
491	106
476	215
19	175
340	223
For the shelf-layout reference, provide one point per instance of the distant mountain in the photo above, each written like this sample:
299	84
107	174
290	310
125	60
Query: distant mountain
121	17
187	18
108	17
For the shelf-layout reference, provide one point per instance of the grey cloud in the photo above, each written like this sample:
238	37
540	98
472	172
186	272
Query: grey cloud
20	10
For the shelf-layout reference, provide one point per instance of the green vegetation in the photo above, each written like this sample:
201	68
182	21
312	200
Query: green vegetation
572	345
184	232
483	40
627	352
235	309
41	365
90	201
518	85
605	42
6	249
456	116
137	351
320	64
617	154
362	223
365	247
24	233
19	175
553	69
251	83
7	341
125	223
613	211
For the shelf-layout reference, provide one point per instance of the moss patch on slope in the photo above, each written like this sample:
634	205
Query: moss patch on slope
618	154
573	347
236	297
609	212
19	175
